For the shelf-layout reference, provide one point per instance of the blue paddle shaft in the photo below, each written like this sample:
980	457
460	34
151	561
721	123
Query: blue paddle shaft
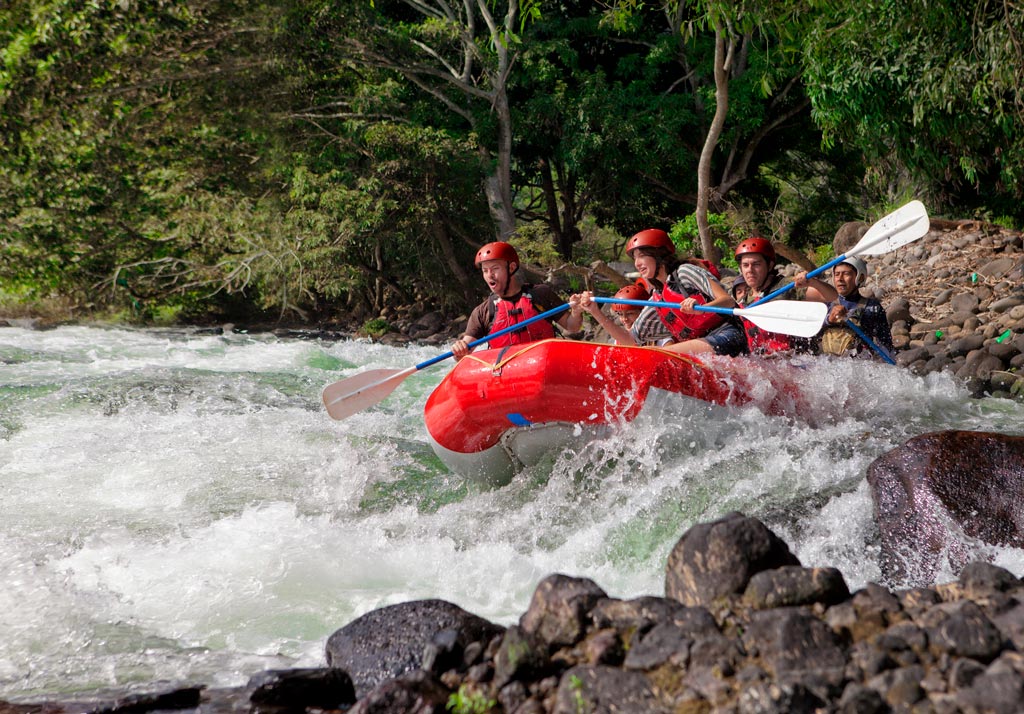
867	340
658	303
487	338
786	288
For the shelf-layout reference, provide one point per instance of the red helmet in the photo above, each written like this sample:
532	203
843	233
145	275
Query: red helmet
761	246
498	250
651	238
636	291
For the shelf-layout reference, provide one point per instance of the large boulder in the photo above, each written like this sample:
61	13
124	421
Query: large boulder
717	559
940	491
395	640
848	235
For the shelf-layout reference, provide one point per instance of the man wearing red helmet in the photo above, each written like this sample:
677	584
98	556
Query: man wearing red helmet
758	277
687	283
626	314
511	302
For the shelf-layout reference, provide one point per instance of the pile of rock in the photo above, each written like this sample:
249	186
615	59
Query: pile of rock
955	301
743	628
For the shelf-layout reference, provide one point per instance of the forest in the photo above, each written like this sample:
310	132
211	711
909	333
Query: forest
175	161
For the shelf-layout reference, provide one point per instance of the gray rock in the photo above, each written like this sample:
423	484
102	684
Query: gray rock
588	688
848	235
898	309
997	268
413	693
994	692
942	297
392	641
790	641
793	585
641	614
964	345
1007	303
559	611
963	630
665	643
320	688
717	559
518	657
787	698
965	302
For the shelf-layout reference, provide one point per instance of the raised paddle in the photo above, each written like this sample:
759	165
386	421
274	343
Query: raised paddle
902	226
345	398
789	317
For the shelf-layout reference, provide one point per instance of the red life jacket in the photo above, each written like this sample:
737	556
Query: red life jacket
761	341
682	325
507	313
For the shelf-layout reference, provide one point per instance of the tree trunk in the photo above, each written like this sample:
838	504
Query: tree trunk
440	233
504	212
723	56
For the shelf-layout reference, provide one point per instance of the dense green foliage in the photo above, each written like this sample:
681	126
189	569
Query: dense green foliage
321	160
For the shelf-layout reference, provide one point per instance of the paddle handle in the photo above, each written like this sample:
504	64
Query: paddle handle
487	338
867	340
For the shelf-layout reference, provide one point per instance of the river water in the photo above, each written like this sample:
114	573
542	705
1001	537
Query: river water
178	506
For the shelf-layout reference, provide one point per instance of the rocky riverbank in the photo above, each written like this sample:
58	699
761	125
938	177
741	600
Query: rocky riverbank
743	628
955	301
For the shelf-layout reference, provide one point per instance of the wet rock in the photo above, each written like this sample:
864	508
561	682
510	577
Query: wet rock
641	614
717	559
973	481
663	644
587	688
392	641
792	585
559	611
790	642
519	657
320	688
413	693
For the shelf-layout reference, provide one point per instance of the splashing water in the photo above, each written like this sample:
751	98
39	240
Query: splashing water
177	506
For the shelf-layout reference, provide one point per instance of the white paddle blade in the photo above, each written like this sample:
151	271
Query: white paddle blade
788	317
902	226
345	398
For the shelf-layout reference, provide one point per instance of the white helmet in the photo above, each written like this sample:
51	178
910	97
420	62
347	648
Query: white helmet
859	265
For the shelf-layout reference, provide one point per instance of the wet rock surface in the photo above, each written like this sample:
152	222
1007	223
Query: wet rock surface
939	492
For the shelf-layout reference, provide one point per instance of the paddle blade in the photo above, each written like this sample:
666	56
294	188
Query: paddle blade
345	398
902	226
788	317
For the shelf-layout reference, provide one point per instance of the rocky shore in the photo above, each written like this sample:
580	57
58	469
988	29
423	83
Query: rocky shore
743	628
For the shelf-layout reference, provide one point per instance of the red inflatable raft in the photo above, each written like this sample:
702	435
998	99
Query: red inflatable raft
499	410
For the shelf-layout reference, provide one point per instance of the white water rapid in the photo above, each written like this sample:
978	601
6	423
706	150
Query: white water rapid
176	506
